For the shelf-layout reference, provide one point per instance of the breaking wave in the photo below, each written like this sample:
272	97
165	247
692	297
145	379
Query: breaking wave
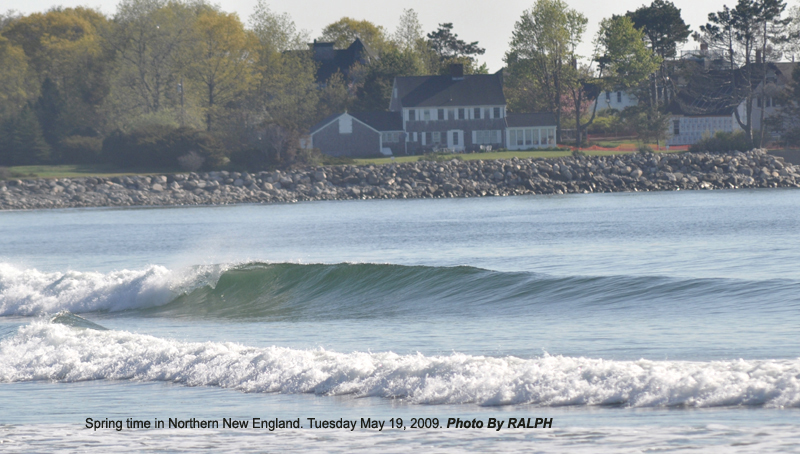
285	290
56	352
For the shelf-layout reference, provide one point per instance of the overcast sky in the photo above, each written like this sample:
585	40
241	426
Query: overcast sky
488	22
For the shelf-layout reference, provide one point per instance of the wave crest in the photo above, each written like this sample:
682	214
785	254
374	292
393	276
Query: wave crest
44	351
326	291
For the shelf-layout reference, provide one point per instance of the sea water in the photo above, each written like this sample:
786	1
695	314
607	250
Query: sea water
636	321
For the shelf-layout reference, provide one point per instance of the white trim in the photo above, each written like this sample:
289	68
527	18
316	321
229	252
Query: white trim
335	119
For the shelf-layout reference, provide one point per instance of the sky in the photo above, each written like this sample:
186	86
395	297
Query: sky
488	22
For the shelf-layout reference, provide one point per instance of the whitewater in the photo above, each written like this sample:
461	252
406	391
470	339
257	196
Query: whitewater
637	322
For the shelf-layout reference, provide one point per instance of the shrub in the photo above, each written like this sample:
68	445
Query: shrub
80	149
578	153
645	149
191	162
438	157
160	146
337	160
723	142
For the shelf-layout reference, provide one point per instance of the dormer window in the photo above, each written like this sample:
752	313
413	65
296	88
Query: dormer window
496	112
476	113
412	115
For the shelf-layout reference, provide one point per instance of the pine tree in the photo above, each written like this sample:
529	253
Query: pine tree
22	141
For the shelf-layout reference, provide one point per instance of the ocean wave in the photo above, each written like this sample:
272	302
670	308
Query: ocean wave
286	290
47	351
32	292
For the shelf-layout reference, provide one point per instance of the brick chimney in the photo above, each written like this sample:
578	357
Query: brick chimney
703	48
758	56
457	71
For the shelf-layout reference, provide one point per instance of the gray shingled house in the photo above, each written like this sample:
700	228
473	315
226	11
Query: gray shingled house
456	112
359	134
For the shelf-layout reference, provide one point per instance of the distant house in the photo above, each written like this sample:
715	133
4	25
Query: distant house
452	111
456	112
618	99
332	60
361	134
706	104
689	127
779	75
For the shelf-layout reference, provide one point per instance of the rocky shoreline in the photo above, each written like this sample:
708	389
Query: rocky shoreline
422	179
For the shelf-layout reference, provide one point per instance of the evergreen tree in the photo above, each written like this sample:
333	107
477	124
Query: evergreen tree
22	141
49	108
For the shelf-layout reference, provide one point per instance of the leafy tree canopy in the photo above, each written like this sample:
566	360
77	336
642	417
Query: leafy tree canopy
344	31
662	25
447	45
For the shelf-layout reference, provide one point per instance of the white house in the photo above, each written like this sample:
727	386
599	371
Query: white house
619	99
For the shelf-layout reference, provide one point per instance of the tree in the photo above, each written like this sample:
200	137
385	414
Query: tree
772	30
623	61
662	25
752	25
344	31
64	48
449	49
21	140
16	86
8	17
581	94
288	91
376	91
791	48
663	29
786	121
542	50
335	97
223	62
276	32
152	42
410	39
409	34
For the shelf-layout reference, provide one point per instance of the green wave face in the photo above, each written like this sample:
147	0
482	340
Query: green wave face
285	291
339	291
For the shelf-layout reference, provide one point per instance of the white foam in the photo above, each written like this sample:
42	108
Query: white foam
30	292
43	351
757	437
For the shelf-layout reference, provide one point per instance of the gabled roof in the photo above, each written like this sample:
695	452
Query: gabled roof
784	71
712	93
380	121
324	122
518	120
443	91
343	59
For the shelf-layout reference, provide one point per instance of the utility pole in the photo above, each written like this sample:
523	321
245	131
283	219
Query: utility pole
180	90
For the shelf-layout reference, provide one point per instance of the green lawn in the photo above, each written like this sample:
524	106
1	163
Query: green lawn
79	170
493	155
107	171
